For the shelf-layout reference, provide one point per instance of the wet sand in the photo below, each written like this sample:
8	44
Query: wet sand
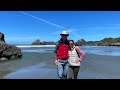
3	73
92	67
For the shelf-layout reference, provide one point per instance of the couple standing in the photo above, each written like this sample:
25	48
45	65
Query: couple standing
68	57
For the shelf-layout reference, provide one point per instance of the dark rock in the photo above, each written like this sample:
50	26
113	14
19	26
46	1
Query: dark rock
48	43
12	57
36	42
3	59
44	43
9	51
79	43
116	44
2	38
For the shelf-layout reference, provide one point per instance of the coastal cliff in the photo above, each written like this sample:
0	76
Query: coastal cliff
103	42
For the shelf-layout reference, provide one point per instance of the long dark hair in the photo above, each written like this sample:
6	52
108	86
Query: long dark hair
73	43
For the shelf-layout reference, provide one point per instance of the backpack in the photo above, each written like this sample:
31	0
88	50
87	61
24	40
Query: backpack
77	53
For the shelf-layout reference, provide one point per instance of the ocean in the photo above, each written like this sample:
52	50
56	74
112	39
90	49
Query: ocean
35	55
41	56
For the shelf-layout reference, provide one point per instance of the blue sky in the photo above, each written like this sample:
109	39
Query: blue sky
25	27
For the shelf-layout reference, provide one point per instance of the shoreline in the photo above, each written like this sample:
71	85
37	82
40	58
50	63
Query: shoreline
30	46
3	73
92	67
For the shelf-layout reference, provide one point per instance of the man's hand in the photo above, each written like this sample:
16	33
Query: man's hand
56	62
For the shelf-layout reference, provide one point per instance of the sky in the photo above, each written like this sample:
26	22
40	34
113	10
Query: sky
25	27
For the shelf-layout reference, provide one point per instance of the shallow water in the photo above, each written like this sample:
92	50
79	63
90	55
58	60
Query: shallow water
33	56
28	59
39	58
110	51
92	67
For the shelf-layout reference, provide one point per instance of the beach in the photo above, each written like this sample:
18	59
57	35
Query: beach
29	38
92	67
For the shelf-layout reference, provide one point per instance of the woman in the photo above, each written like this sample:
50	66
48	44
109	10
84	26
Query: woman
75	57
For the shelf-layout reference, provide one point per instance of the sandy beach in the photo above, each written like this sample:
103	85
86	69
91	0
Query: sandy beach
92	67
3	73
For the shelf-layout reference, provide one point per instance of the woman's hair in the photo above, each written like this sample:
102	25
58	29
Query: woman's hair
74	42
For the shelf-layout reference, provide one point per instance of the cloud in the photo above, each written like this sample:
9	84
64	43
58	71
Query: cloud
21	38
102	28
43	20
58	32
69	30
55	33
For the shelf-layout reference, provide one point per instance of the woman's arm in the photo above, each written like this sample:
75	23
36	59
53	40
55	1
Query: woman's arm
81	53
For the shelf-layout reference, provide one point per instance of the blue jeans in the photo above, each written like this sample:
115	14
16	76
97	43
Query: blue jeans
62	69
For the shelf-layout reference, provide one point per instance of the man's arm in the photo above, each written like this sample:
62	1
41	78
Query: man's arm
55	51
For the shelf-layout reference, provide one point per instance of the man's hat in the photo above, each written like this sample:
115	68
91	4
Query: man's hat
64	33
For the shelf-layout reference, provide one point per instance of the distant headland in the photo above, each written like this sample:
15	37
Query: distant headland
38	42
104	42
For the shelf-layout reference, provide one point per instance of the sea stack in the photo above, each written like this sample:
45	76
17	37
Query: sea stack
8	52
36	42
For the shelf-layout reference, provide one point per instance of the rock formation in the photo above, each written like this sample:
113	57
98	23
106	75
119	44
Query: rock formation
8	52
36	42
2	38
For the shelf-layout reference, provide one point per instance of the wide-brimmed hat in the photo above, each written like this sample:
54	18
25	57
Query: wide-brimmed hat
64	33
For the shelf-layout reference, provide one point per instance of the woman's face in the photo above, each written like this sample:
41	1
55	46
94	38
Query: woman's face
71	44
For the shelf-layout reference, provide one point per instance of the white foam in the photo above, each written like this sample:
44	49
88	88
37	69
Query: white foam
29	46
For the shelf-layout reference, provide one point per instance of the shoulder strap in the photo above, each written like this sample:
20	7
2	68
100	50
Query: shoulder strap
77	52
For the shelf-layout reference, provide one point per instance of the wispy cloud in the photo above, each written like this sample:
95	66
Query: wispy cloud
94	37
102	31
53	24
67	30
55	33
109	31
21	38
102	28
58	32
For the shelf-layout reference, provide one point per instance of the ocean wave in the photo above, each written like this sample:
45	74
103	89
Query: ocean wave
30	46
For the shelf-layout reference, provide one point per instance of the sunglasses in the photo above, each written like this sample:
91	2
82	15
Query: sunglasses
64	35
71	44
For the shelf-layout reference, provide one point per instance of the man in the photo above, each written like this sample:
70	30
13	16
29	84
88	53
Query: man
61	55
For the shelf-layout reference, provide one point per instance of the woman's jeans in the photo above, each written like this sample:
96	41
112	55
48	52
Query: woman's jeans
62	69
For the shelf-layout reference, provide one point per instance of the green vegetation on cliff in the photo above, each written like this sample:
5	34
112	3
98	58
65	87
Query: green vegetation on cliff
104	42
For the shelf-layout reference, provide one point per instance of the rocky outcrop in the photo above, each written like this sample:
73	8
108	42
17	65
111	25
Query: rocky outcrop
116	44
2	38
8	52
104	42
48	43
80	42
36	42
109	44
